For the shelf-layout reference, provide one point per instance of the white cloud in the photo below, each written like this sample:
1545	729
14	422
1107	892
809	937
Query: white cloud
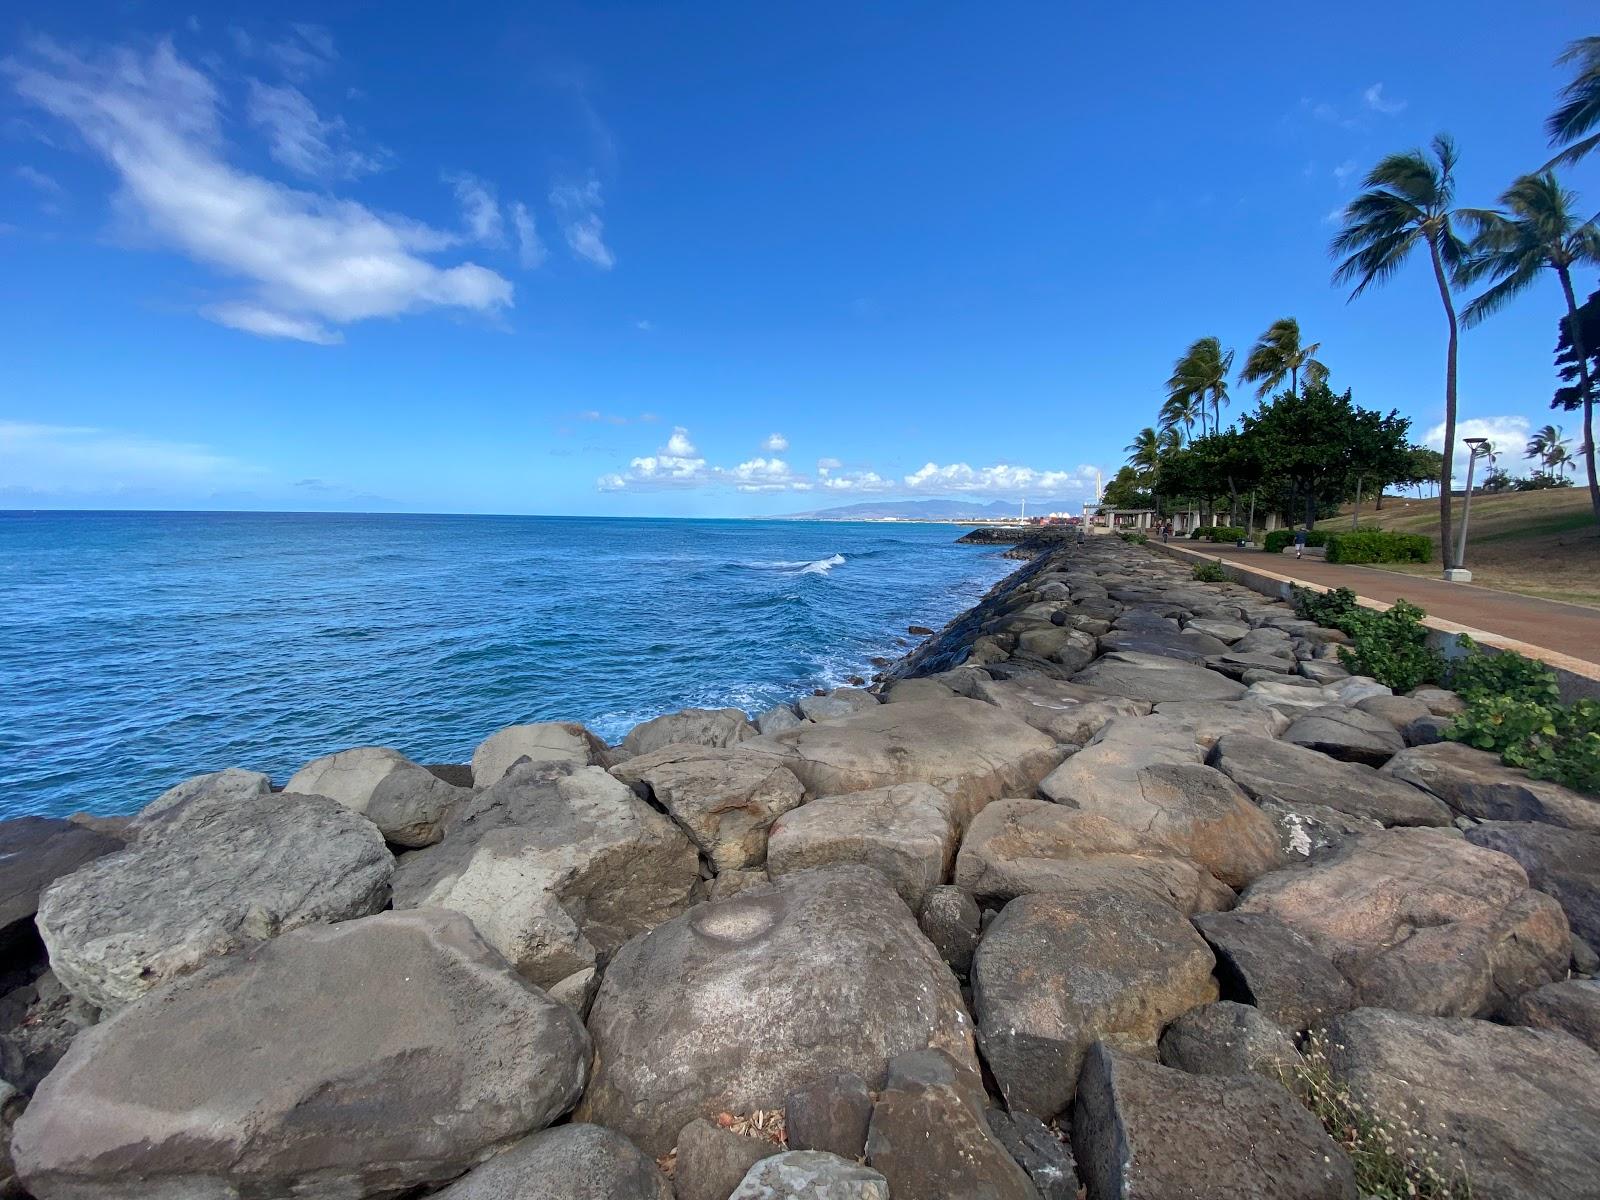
1507	435
999	479
644	326
38	180
263	322
766	475
1344	170
824	465
300	139
577	207
855	481
1375	100
530	249
480	211
776	443
309	258
57	459
679	443
306	51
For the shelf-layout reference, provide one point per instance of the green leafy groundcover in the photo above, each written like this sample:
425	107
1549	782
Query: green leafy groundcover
1210	572
1227	533
1379	545
1135	537
1275	541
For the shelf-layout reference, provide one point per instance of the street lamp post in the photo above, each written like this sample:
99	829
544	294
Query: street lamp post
1459	573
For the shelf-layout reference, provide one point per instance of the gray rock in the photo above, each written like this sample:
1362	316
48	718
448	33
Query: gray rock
409	804
1223	630
1399	711
1147	677
1066	711
950	919
40	1019
777	719
1532	1134
571	1162
212	791
726	801
810	1175
34	853
1426	731
1237	663
908	832
713	1161
1311	830
841	702
1227	1038
1570	1005
1268	770
1146	1132
1421	921
1211	720
1038	1151
730	883
1190	648
204	882
544	742
930	1139
1058	971
1321	670
1476	784
1441	702
715	727
1264	963
734	1005
1347	734
831	1114
256	1075
1584	959
555	865
1564	863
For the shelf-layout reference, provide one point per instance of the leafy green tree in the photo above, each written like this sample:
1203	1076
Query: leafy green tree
1178	416
1227	462
1124	491
1200	377
1278	353
1579	110
1409	202
1145	455
1582	328
1542	232
1547	445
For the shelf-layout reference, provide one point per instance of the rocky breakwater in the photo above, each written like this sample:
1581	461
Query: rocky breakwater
1056	911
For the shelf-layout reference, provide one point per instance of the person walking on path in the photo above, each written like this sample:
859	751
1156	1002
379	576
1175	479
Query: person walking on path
1299	543
1166	532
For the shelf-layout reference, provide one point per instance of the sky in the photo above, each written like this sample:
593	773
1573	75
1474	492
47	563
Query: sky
712	259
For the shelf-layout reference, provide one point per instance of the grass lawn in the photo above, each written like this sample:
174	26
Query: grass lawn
1536	543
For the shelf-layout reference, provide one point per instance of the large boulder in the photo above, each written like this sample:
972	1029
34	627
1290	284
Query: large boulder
1564	863
1421	921
970	749
544	742
1058	971
726	801
908	832
1570	1005
810	1175
1475	784
1517	1111
556	864
1271	770
1264	963
735	1004
570	1162
1347	734
408	803
717	727
840	702
1066	711
1210	720
1228	1038
206	793
351	1060
1147	1132
1018	847
210	878
34	853
710	1160
1154	678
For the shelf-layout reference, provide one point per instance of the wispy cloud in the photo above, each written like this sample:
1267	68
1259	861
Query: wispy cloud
1374	99
1344	170
66	459
530	249
775	443
39	181
300	139
1002	479
306	50
311	259
480	210
577	208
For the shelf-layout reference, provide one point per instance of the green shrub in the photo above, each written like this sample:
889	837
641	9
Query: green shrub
1209	572
1506	674
1332	610
1200	531
1133	536
1391	647
1227	533
1279	538
1379	545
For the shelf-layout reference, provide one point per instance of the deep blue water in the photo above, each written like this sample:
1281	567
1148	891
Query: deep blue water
137	649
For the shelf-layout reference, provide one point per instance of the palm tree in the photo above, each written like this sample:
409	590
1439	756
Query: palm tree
1543	443
1541	233
1579	111
1201	376
1277	353
1178	416
1408	202
1144	456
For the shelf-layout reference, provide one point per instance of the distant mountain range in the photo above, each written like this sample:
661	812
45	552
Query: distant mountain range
924	510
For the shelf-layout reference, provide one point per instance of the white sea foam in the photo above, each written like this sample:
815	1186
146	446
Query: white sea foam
820	566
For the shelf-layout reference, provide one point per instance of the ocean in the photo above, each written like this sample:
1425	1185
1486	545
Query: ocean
137	649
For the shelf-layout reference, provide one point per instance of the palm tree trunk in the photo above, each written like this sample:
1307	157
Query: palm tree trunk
1446	543
1578	348
1294	380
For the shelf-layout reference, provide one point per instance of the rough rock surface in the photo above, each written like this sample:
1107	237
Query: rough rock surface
1570	1005
234	786
1277	770
257	1075
777	719
735	1004
1347	734
547	741
1518	1109
408	803
908	832
810	1175
34	853
1056	972
841	702
1152	678
1564	863
1038	1151
712	1161
1146	1132
205	881
1476	784
1212	719
1263	962
39	1020
930	1139
571	1162
1017	847
1421	921
1227	1038
555	864
717	727
1066	711
950	919
726	801
831	1114
970	749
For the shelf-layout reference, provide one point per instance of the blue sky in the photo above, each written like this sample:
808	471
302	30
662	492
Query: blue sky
709	259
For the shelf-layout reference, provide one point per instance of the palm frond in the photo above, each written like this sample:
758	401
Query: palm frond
1579	108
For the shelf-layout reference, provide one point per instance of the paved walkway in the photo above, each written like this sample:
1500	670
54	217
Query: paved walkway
1565	628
